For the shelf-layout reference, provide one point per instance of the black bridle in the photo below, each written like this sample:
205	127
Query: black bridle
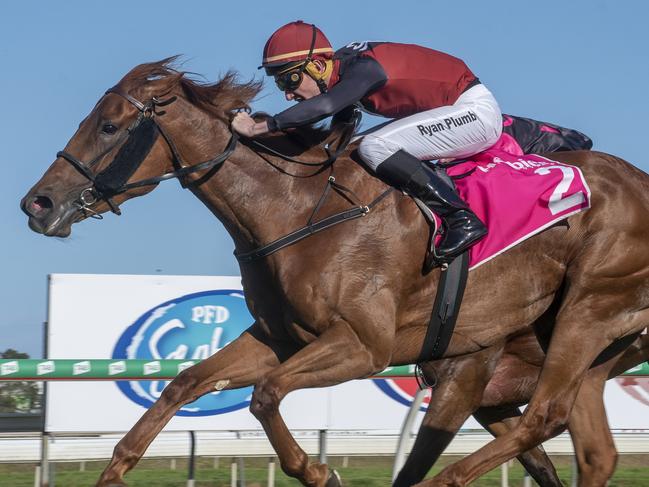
138	140
135	144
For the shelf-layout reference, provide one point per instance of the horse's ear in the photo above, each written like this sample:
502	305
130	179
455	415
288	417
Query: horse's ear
160	87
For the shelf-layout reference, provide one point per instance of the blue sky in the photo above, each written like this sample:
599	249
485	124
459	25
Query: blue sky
582	64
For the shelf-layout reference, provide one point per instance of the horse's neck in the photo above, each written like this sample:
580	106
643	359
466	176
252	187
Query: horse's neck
255	201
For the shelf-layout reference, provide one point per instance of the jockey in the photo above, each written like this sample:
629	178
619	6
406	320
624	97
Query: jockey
438	106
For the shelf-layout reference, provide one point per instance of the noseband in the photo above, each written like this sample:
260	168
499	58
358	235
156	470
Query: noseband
136	143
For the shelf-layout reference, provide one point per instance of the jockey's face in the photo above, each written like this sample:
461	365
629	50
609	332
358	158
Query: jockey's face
308	89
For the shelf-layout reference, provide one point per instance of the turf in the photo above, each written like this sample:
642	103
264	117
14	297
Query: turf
633	470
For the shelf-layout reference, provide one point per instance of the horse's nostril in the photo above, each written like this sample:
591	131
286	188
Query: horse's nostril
40	203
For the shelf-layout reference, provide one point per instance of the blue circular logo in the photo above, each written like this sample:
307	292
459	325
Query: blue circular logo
191	327
402	390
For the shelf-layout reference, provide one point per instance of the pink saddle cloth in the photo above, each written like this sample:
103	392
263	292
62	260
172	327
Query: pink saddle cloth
517	196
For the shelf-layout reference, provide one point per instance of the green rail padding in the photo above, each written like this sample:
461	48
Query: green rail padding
101	369
132	369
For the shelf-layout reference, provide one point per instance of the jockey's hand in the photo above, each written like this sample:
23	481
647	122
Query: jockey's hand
244	124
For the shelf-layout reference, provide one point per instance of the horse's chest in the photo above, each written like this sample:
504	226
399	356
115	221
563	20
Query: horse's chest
305	321
301	333
301	321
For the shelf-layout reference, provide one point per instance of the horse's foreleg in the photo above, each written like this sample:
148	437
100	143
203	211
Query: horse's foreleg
500	420
338	355
237	365
459	384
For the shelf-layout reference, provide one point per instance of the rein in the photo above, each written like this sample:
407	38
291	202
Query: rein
349	132
139	139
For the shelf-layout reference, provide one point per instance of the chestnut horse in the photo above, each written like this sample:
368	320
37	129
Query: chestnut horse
328	313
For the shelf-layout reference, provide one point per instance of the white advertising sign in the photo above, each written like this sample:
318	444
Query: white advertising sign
192	317
156	317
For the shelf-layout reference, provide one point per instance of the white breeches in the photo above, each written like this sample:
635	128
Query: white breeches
472	124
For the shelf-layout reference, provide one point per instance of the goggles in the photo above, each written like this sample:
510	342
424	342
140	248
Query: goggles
290	80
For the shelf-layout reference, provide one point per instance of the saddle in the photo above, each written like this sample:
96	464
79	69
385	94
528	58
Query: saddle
520	136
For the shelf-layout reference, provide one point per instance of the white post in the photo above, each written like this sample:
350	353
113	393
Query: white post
504	479
216	463
192	459
82	466
406	429
527	480
172	464
575	472
37	476
233	474
45	461
241	471
271	472
322	446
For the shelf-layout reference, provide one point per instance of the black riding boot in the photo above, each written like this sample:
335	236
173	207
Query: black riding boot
462	227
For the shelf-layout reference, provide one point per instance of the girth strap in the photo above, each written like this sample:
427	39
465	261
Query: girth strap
448	300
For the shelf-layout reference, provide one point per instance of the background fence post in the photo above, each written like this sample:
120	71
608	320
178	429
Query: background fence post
406	430
527	480
45	464
271	472
192	458
504	478
322	446
233	474
242	472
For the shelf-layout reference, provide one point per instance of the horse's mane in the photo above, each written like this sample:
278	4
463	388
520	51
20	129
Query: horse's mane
220	98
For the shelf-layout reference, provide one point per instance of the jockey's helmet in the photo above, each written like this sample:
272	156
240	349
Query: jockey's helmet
290	50
295	41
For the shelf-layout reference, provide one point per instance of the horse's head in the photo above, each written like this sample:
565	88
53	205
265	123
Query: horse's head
125	146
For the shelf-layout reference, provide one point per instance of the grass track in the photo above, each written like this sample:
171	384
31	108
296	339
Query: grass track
633	471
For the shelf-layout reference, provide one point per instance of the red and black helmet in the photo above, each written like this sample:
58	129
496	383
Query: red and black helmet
295	42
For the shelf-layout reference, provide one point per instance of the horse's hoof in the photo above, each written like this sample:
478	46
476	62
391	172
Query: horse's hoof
334	479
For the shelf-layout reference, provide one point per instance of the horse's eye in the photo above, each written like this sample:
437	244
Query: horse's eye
108	128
